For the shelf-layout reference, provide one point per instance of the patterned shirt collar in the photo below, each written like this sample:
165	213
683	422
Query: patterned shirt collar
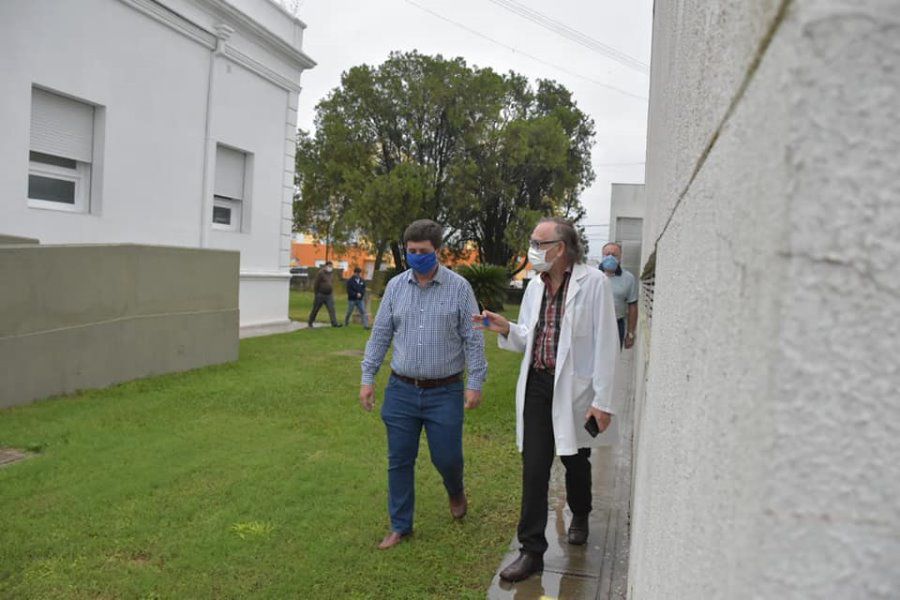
439	277
545	277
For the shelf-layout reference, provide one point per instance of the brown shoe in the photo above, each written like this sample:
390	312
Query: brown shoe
459	505
523	567
392	539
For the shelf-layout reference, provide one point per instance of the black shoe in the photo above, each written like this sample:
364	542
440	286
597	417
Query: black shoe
310	325
336	325
578	530
523	567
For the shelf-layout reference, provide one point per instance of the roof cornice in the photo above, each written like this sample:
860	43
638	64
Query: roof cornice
260	34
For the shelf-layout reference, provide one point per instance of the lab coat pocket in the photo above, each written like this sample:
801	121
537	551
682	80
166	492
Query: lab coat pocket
582	393
583	357
581	321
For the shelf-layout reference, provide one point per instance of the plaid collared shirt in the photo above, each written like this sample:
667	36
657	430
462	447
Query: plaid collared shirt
430	329
546	340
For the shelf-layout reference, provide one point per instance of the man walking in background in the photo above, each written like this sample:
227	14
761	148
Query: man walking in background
356	294
625	292
324	291
426	314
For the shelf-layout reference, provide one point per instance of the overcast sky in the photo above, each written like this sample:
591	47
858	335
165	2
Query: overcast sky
344	33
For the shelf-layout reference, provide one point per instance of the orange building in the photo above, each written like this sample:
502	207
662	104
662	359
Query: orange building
308	251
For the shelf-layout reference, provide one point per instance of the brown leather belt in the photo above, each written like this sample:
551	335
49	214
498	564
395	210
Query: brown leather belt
427	383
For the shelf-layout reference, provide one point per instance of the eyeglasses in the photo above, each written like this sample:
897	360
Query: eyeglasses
537	244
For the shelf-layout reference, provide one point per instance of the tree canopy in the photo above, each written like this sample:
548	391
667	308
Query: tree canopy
419	136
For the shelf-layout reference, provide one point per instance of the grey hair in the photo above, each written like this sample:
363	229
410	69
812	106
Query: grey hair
616	244
566	232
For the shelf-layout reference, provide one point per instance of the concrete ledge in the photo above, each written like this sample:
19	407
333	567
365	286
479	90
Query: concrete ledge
264	329
9	240
79	317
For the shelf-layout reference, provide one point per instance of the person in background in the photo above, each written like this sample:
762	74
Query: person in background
356	293
625	292
426	315
324	291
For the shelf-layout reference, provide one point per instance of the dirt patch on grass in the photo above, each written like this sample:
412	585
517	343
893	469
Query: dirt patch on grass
9	456
350	353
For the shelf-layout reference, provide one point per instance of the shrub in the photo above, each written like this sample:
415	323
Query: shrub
489	283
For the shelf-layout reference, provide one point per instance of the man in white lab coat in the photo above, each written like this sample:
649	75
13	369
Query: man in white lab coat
567	331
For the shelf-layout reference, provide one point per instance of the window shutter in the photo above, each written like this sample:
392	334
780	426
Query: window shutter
229	173
61	126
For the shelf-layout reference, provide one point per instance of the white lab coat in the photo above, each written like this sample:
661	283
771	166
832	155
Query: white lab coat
585	358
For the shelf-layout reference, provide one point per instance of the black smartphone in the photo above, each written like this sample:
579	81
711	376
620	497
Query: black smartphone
592	427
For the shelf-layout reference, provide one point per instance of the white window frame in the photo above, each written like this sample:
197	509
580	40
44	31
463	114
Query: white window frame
83	172
80	176
239	217
234	206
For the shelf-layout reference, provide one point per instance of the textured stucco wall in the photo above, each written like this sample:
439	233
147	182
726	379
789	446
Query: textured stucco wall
78	317
767	445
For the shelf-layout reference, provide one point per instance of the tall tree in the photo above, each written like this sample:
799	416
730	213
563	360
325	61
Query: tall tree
532	160
423	136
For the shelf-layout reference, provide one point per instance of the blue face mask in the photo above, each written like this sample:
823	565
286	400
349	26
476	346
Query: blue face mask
422	264
610	263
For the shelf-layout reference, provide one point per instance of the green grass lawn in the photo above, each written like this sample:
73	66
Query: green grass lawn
261	478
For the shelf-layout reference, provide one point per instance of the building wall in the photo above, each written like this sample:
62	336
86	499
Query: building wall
147	65
87	316
627	202
767	440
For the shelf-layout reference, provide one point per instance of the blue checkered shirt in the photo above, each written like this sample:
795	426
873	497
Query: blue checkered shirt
431	329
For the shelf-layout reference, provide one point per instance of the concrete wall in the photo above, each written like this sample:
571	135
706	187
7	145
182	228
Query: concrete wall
767	443
77	317
149	67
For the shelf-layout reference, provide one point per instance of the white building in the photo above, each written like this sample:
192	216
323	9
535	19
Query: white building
626	222
167	122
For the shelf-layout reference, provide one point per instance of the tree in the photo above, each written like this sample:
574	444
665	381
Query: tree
533	160
427	137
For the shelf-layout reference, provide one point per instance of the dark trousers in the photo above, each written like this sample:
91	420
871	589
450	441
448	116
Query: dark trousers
538	449
621	324
328	301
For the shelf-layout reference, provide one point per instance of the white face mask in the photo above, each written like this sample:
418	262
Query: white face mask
538	260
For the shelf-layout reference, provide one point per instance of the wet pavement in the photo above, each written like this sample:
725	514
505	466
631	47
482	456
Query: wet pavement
599	569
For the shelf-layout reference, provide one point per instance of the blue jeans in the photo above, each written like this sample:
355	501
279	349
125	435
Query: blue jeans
361	307
405	411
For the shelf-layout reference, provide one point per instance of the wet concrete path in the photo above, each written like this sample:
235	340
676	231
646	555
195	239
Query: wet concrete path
599	569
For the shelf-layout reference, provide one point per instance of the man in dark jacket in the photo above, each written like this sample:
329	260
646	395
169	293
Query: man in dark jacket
324	291
356	293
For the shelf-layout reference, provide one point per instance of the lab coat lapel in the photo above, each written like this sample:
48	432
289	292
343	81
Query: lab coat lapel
579	272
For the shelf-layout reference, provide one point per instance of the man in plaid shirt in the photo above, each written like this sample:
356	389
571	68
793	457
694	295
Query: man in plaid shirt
427	313
567	333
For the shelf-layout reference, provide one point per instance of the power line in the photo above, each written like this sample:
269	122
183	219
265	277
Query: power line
531	56
573	35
